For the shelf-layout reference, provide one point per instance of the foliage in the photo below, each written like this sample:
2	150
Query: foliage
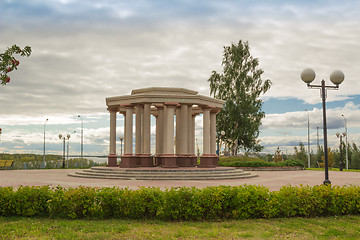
319	156
355	157
211	203
240	85
34	161
262	163
8	62
331	159
301	154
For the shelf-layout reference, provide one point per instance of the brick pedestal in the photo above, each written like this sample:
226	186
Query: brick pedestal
208	161
112	160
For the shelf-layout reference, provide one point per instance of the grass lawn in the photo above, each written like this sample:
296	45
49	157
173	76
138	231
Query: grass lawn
344	227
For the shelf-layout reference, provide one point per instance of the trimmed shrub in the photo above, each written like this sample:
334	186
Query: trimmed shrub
211	203
25	201
260	163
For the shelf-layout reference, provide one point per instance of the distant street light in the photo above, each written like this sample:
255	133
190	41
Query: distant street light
222	133
308	138
67	151
346	143
44	163
337	77
63	138
340	136
121	145
82	140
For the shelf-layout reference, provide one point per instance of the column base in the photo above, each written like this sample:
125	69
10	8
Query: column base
112	160
158	160
146	161
208	161
129	161
186	161
169	161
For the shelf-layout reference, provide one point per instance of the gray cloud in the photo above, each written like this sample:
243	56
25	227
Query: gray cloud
85	51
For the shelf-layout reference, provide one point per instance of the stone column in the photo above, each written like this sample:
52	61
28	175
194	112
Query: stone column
177	130
190	131
191	140
159	134
129	160
112	157
169	157
206	130
207	160
183	144
213	132
138	138
192	137
184	159
146	158
147	130
128	142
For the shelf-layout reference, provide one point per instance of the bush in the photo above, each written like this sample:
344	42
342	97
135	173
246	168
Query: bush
260	163
211	203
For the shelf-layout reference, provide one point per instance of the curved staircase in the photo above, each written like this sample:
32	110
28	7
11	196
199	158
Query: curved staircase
158	173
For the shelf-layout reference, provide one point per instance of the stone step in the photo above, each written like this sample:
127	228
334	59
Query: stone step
168	178
163	174
160	169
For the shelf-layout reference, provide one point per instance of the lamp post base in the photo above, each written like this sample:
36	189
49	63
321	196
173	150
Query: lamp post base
327	182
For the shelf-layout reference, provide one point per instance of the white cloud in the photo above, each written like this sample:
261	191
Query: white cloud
84	52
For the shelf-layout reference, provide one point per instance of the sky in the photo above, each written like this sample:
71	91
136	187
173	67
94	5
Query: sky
85	51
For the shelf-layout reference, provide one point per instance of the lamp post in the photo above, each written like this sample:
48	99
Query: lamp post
121	145
61	137
67	151
317	134
337	77
222	133
340	136
308	138
44	163
82	139
346	143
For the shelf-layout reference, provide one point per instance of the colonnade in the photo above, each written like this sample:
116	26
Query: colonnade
165	153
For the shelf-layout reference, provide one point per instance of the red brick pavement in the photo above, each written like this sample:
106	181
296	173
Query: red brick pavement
271	179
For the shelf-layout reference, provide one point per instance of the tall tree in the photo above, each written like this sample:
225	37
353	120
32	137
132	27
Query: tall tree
240	85
301	154
8	62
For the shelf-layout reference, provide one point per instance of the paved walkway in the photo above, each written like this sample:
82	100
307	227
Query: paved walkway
271	179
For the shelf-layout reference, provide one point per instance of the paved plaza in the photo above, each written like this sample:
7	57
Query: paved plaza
274	180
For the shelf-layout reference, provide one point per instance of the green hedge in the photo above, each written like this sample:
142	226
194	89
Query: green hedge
260	163
220	202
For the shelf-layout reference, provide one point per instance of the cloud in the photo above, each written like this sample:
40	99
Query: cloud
85	51
299	119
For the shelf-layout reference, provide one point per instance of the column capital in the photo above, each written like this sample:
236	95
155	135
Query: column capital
203	107
128	105
186	103
159	105
171	104
113	109
215	110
